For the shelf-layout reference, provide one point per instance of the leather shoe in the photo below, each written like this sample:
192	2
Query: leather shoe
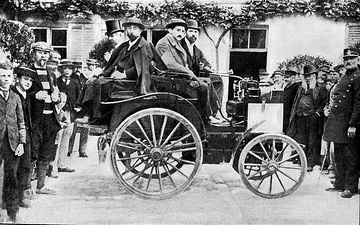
347	194
333	189
66	170
83	155
45	191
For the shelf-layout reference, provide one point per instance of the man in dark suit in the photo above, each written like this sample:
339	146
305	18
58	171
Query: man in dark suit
201	67
130	61
290	90
306	115
44	95
342	125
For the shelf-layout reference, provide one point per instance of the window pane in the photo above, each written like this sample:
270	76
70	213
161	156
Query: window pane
240	38
58	38
62	52
257	38
157	35
144	34
40	35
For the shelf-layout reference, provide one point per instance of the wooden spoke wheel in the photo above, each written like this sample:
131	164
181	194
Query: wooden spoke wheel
272	165
150	153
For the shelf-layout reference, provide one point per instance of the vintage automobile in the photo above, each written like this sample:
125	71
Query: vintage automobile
159	141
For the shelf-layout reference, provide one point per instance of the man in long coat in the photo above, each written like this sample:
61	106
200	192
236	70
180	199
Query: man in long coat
343	124
306	115
130	61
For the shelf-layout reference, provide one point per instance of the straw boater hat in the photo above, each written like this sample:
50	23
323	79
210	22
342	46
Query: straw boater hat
278	72
24	71
263	72
134	21
175	22
92	62
66	63
113	26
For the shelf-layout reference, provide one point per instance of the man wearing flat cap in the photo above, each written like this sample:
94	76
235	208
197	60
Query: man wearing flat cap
175	58
342	125
306	115
44	95
132	62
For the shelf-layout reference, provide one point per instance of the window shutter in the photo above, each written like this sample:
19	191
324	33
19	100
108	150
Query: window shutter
81	41
354	34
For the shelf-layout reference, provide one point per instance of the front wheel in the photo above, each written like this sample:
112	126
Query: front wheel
272	165
156	153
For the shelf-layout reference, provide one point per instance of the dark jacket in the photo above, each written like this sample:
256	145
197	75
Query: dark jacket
346	109
72	91
319	94
12	120
289	96
26	106
37	106
194	60
144	53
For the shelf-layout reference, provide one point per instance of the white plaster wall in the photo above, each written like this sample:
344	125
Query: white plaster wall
312	35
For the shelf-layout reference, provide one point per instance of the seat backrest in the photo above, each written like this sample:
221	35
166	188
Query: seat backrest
174	85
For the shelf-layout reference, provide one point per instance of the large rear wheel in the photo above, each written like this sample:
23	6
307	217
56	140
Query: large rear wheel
272	165
156	153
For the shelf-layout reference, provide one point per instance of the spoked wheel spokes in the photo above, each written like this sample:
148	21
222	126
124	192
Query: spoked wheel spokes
148	153
272	165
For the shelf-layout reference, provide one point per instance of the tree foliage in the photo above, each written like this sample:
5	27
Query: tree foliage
17	38
99	49
299	61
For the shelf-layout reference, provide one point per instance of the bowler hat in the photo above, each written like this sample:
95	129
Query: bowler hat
113	26
66	62
263	72
193	24
134	21
309	69
92	62
175	22
289	73
24	71
41	46
351	52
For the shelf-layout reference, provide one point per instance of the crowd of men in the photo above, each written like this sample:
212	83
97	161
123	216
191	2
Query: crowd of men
38	111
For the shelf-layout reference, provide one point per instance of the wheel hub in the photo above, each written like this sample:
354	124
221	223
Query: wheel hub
272	166
156	154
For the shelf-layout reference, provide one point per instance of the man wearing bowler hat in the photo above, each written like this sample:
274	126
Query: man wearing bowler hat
342	125
201	67
306	115
116	36
175	58
132	62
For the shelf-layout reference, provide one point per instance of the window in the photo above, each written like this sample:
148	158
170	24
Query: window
246	39
56	37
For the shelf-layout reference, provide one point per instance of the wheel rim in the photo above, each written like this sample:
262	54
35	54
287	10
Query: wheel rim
272	165
148	153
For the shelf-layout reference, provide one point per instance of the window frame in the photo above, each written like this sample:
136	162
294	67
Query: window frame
249	28
49	35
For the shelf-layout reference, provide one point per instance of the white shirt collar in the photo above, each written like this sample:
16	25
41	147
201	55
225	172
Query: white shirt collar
131	43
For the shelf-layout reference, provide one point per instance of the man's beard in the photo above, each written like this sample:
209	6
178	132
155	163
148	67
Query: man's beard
132	37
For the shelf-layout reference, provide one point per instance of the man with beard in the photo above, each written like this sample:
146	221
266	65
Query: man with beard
175	58
44	95
130	61
201	67
306	114
342	125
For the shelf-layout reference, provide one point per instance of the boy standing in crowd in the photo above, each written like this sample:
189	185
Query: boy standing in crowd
25	78
12	139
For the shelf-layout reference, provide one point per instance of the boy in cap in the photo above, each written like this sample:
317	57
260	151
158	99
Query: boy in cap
342	125
44	96
25	77
12	139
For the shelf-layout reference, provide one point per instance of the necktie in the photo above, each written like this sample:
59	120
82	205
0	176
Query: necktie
6	94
